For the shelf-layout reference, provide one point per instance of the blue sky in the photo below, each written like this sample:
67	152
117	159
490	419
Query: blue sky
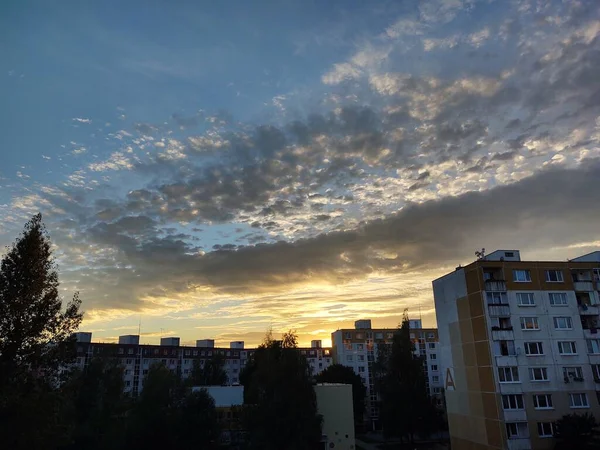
218	168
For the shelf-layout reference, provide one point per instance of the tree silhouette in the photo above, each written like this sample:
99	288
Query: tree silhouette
280	403
36	343
406	408
577	431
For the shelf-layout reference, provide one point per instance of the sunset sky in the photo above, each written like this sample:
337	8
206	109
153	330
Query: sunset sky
215	169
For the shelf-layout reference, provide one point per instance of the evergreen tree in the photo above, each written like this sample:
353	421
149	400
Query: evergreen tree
35	344
405	407
281	405
338	373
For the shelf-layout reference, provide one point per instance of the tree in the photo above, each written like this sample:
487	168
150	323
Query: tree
98	405
35	343
168	415
338	373
577	431
212	373
35	333
406	407
280	402
196	424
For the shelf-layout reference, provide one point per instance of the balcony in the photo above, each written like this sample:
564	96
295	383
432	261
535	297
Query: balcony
516	415
506	361
502	334
588	310
583	286
495	285
499	310
591	333
519	444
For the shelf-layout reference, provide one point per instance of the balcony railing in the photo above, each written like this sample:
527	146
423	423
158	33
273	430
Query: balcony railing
499	310
502	334
583	286
495	285
588	310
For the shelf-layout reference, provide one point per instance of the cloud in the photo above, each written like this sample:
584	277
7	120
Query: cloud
81	120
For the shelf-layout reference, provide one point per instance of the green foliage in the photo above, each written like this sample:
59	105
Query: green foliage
169	415
338	373
211	374
281	405
406	407
98	405
578	431
35	344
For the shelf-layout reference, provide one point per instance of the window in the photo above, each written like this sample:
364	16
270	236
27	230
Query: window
596	371
505	348
379	335
521	276
593	346
508	374
578	400
567	348
128	383
573	373
512	401
538	374
361	357
509	254
432	356
431	345
515	430
361	369
435	379
496	298
534	348
554	276
558	298
128	372
129	361
430	336
529	323
545	429
349	358
525	299
563	323
542	401
434	367
360	347
145	361
347	335
121	351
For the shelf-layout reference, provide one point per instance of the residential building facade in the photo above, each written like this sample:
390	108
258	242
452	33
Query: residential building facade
136	359
520	345
357	348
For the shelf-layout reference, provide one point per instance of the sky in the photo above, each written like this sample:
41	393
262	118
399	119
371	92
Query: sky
218	169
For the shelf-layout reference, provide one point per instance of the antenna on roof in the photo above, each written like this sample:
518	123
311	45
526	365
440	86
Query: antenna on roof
140	327
481	254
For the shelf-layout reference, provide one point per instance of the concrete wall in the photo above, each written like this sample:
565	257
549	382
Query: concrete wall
334	402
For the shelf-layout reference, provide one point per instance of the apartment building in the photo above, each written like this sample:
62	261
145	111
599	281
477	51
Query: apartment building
357	348
520	345
137	358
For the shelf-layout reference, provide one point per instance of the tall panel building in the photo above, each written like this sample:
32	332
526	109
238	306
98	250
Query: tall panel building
520	344
357	348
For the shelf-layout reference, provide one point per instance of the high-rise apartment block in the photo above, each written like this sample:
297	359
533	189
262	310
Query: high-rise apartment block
520	346
136	358
357	348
